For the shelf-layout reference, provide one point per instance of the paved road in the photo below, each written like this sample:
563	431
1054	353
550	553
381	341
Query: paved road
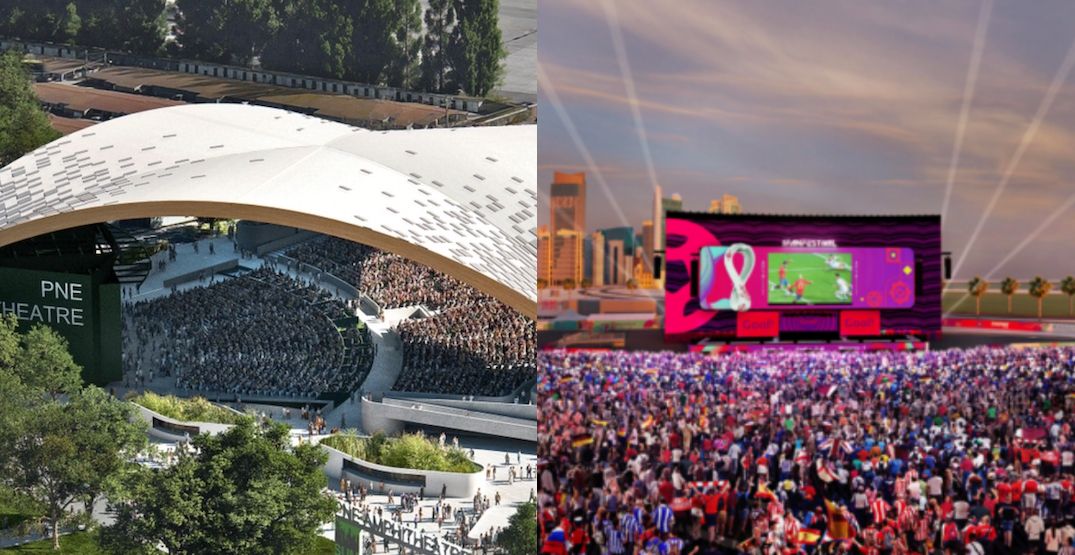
518	26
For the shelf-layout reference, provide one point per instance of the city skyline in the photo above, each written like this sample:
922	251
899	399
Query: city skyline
832	108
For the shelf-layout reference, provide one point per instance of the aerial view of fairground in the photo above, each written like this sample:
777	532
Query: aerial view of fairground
267	277
805	278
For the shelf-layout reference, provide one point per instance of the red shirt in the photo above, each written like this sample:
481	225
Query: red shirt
800	285
667	490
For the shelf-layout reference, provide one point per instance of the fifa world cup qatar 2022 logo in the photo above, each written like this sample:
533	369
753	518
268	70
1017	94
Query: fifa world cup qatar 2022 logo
712	280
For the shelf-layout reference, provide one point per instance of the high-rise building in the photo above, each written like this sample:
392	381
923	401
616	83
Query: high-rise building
647	245
661	206
730	204
727	204
673	203
567	202
567	258
544	256
619	255
597	272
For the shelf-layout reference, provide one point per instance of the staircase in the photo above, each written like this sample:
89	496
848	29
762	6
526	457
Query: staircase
133	261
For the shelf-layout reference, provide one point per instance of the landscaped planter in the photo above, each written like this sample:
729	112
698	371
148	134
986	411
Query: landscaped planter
170	429
402	480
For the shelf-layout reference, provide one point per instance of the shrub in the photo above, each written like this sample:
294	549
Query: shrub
415	451
194	409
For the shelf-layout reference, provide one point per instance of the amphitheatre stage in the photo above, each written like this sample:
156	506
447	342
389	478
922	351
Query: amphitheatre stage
411	282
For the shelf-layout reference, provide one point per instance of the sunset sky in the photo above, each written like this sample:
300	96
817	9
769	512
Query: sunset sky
824	107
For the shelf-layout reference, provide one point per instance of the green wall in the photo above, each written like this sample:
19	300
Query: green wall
79	307
348	537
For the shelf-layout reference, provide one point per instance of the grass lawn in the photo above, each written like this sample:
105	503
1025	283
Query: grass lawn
814	268
324	546
12	513
996	304
82	543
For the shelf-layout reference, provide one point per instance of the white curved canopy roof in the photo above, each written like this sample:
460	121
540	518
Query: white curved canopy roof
460	200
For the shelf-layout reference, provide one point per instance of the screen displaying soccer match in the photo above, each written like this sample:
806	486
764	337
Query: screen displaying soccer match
760	275
810	278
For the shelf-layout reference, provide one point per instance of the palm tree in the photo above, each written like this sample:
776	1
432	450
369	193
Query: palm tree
977	287
1009	287
1038	288
1067	285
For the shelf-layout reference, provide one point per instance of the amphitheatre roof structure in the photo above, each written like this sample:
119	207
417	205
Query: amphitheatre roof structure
461	200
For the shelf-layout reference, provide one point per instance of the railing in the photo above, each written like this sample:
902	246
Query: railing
414	539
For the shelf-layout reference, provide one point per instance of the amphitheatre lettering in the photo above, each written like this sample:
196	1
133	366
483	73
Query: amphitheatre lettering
51	292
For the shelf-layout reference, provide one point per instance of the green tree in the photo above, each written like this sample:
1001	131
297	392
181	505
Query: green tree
243	491
130	25
403	70
133	25
478	52
45	364
374	25
1010	286
1067	285
436	45
314	39
977	287
9	342
23	124
227	31
520	537
55	451
72	451
1038	288
71	24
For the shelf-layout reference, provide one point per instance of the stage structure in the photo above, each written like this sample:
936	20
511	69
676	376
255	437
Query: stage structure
802	278
460	200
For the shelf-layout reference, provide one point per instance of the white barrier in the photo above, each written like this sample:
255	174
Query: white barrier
454	484
170	429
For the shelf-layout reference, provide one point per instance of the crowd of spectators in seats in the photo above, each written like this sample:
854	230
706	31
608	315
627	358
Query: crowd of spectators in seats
388	279
952	451
472	344
261	333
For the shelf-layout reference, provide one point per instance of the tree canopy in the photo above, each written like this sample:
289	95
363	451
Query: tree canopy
243	491
521	534
23	124
60	442
129	25
450	45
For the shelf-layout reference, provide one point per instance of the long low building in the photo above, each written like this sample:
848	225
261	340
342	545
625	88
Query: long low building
364	112
72	101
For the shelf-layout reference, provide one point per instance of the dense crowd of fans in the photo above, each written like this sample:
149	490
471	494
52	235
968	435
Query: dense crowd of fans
262	333
389	279
476	345
471	345
955	451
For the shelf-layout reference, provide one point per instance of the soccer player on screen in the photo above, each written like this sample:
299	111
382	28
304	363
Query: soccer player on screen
835	263
800	287
843	289
783	272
